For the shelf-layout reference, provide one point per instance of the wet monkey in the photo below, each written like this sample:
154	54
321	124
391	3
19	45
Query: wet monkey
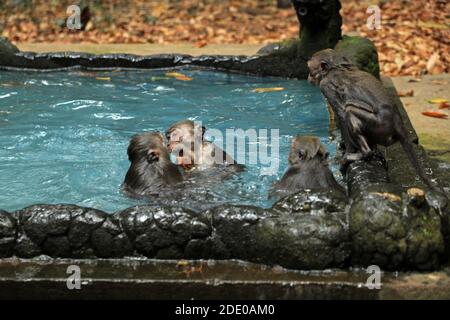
151	169
186	141
308	169
365	111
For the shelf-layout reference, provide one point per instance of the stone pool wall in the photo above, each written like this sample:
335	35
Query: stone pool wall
320	29
382	222
281	60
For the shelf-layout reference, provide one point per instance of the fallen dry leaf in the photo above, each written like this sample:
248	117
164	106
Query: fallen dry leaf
201	44
432	62
412	31
416	192
387	195
103	78
444	105
407	93
435	114
439	82
437	100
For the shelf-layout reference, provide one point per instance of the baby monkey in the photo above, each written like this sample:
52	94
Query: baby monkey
186	141
151	169
308	169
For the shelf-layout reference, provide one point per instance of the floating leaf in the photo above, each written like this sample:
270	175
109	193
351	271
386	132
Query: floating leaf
435	114
159	78
103	78
261	90
178	76
184	78
174	74
437	100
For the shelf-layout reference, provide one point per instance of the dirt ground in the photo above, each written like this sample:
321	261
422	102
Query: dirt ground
434	133
412	37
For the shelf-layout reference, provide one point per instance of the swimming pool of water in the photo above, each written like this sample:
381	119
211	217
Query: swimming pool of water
64	135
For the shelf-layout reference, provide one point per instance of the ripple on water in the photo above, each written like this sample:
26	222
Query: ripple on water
64	135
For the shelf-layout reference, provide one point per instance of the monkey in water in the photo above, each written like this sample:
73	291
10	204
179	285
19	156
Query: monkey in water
308	169
186	141
365	111
151	170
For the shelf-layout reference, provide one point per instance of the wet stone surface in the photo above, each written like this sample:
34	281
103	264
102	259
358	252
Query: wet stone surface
308	230
395	231
378	224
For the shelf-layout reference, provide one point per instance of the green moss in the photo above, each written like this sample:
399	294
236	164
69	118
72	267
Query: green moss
289	42
7	47
362	52
437	147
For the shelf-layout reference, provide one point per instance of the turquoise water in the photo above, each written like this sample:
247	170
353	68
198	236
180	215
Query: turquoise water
64	135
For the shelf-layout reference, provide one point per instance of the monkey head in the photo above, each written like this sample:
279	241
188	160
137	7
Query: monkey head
305	148
148	147
319	65
184	139
323	61
151	169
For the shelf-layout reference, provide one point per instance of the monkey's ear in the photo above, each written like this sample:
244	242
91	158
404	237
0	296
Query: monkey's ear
131	151
346	62
322	152
324	65
152	156
317	149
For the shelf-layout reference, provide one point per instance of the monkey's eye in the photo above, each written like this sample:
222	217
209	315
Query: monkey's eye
181	153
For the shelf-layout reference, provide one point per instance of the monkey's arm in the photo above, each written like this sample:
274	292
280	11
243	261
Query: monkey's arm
331	92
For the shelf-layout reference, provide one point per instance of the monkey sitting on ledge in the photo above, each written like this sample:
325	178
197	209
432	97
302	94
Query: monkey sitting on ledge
308	169
366	113
151	170
186	141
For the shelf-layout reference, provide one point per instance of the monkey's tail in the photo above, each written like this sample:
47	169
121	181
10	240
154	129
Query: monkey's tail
410	152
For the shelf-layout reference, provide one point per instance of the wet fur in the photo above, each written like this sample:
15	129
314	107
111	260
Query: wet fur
181	136
146	177
366	113
310	171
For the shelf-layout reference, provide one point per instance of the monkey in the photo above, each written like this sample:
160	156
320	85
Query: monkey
308	169
186	141
365	111
151	170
